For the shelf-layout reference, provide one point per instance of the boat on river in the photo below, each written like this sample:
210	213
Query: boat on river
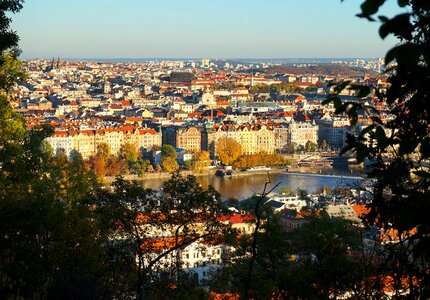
259	168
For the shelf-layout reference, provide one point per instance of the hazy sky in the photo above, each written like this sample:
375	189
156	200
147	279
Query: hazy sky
197	28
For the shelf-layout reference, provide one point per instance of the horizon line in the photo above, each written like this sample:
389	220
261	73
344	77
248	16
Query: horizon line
196	58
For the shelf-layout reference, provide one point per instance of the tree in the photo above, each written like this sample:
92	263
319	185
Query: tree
9	39
228	150
399	146
324	190
168	151
41	209
116	166
10	67
10	72
311	146
289	148
143	166
25	190
130	154
103	150
168	158
269	264
98	165
147	228
169	164
328	265
200	161
49	239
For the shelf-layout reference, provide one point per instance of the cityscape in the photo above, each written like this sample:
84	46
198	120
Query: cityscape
210	175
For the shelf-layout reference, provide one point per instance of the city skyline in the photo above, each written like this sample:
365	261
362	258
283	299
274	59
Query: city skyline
193	29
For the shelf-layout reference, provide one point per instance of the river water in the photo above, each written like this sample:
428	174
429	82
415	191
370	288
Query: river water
242	187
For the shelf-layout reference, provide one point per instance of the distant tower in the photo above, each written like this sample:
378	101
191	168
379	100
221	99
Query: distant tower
106	87
379	65
205	63
58	62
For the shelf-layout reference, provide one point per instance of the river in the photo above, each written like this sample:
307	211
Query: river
242	187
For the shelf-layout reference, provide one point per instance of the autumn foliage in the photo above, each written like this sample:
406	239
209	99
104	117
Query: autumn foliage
228	150
260	159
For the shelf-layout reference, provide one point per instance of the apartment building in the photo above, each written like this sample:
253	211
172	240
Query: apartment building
299	133
333	130
189	138
86	141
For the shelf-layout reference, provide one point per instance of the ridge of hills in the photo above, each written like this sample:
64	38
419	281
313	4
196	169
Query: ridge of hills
323	69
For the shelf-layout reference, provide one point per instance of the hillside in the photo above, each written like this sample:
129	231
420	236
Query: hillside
325	69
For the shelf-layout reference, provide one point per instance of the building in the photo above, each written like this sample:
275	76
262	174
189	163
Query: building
189	138
299	133
333	130
183	77
280	135
253	138
86	142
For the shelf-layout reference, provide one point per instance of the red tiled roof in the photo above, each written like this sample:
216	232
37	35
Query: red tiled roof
237	218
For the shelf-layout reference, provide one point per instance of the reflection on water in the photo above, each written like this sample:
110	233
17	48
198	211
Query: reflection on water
242	187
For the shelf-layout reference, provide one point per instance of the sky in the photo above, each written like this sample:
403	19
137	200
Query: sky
198	29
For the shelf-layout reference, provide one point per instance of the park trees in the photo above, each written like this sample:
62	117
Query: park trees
168	158
130	154
228	150
260	159
200	161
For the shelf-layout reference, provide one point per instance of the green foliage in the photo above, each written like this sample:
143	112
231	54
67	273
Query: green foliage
168	151
326	247
310	146
130	154
286	190
144	166
399	147
50	244
49	238
268	272
290	148
168	158
8	38
10	72
103	150
136	217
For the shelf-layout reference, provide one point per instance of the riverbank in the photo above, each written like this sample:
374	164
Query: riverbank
208	173
325	172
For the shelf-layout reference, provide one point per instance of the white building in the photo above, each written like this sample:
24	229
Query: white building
300	133
333	130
